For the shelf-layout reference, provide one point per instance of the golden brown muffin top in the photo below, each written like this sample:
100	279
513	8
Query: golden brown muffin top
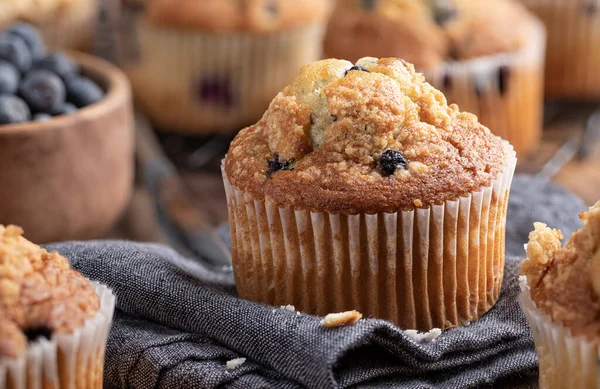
372	137
39	293
258	16
426	32
565	281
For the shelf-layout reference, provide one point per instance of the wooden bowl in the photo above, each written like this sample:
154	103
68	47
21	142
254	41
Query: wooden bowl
69	178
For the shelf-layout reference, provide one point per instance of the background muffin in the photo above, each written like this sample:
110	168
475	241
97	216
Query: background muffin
210	66
561	294
358	189
573	46
49	310
486	56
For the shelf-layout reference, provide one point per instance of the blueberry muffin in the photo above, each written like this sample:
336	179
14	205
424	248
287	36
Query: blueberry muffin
46	307
213	66
561	297
485	56
360	188
573	47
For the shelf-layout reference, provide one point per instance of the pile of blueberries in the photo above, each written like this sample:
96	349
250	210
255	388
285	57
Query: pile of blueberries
36	85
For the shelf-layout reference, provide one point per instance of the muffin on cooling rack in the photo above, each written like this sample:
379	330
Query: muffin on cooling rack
360	188
214	66
486	56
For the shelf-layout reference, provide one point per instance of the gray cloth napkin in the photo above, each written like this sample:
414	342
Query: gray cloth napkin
176	327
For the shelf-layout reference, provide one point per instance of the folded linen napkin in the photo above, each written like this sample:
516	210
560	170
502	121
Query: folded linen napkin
178	323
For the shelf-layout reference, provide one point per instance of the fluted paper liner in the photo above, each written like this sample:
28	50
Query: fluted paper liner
505	90
573	47
433	267
566	361
66	360
193	81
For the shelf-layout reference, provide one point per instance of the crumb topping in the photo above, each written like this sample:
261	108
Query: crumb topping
427	32
226	16
39	293
565	280
366	137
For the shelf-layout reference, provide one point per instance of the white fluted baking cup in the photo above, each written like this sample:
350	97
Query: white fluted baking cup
566	361
505	90
66	360
434	267
194	81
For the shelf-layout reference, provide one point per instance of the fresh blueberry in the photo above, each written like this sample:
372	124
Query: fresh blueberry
41	117
444	14
66	109
82	91
44	91
13	110
355	68
58	64
37	332
391	160
275	164
31	36
9	78
14	50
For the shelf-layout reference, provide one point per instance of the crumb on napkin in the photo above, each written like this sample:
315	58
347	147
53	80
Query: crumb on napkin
340	319
425	337
288	307
235	363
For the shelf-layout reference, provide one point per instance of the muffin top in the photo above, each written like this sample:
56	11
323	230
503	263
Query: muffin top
39	294
426	32
371	137
565	281
258	16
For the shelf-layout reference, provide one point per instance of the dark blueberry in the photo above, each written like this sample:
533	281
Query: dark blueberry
31	36
9	78
355	68
14	50
447	81
82	91
503	78
13	110
444	14
275	164
41	117
44	91
216	91
58	64
369	5
65	109
391	160
272	7
334	118
34	333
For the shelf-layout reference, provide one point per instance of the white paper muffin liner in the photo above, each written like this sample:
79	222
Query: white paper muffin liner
434	267
566	361
505	90
573	46
192	81
66	360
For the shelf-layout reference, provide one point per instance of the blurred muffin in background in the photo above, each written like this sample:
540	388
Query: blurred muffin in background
65	24
213	66
485	56
573	46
